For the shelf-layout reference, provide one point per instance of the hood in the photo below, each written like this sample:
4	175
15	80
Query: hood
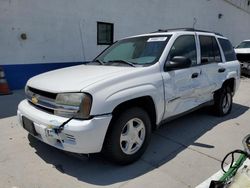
76	78
242	50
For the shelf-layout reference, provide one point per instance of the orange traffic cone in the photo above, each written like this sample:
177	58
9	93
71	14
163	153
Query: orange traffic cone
4	88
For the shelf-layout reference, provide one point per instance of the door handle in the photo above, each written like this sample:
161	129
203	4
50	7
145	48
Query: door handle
195	75
221	70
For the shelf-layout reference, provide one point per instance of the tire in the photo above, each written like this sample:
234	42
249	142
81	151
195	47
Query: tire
128	136
223	100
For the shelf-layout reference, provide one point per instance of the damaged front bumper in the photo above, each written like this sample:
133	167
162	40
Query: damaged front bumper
78	136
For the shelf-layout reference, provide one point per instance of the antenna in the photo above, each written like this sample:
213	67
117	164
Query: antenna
194	22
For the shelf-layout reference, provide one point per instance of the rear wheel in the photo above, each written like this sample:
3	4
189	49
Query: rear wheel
223	101
128	136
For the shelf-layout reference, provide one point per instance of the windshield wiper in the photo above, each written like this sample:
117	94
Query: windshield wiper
99	61
122	61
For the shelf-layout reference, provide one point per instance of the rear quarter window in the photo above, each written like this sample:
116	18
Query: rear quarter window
227	49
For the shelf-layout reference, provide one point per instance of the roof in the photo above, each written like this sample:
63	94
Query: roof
163	32
185	29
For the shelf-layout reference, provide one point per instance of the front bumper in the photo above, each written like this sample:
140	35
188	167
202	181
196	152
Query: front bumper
78	136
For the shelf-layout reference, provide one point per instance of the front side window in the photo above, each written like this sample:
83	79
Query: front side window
227	49
143	50
245	44
210	51
184	46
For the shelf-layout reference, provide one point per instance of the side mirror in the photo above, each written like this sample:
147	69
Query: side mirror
178	62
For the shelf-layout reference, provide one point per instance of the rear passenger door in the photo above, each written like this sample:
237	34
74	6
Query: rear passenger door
212	66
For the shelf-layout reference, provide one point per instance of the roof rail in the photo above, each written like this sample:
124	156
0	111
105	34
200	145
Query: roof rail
185	29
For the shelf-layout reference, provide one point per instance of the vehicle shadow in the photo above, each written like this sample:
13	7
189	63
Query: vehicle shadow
166	143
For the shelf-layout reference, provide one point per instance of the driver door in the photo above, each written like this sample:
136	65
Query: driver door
180	84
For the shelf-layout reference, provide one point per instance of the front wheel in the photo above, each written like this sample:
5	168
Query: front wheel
223	100
128	136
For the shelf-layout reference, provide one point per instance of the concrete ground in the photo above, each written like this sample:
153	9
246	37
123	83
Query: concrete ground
183	153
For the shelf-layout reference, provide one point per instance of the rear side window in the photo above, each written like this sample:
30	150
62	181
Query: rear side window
227	49
210	51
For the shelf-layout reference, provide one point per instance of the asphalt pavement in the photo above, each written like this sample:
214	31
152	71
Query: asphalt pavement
182	153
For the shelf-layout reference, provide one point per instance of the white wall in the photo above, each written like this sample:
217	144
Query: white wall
54	28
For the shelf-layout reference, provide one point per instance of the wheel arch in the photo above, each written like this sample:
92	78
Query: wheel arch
145	102
231	83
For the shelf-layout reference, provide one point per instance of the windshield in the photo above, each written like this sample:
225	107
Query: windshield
144	50
245	44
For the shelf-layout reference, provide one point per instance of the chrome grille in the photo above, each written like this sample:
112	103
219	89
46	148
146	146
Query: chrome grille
42	93
46	101
42	108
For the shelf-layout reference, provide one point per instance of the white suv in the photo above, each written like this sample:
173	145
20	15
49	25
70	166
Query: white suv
113	103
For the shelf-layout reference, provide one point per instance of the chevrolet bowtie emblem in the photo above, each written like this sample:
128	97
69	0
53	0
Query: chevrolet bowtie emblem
34	100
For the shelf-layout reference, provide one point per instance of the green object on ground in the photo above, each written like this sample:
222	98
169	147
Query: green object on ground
232	170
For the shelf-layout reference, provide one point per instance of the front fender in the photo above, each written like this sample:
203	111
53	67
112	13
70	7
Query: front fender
113	100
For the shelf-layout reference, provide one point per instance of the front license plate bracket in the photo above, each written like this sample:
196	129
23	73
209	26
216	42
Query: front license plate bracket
29	126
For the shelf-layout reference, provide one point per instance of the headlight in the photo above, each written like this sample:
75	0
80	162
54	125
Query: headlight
70	99
73	104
